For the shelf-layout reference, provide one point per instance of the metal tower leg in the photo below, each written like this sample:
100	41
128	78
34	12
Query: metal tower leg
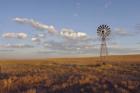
103	50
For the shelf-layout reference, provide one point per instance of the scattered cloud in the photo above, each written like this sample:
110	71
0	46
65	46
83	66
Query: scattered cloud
122	32
35	24
66	33
85	49
71	34
16	46
68	46
36	40
74	37
40	35
114	46
71	41
15	35
77	7
68	41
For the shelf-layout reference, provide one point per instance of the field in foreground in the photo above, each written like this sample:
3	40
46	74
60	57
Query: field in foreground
120	74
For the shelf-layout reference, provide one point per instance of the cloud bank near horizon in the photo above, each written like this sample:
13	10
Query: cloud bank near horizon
13	35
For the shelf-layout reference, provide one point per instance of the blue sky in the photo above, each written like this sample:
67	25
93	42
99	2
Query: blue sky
82	16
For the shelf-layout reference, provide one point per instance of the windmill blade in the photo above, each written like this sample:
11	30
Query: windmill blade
101	28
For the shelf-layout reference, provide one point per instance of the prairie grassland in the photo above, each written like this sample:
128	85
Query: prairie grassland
120	74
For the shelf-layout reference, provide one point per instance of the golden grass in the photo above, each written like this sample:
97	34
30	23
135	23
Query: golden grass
79	60
56	75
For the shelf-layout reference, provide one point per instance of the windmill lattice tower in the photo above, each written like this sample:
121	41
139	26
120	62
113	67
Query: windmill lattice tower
103	31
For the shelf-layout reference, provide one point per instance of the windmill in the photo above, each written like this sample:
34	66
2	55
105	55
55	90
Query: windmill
103	31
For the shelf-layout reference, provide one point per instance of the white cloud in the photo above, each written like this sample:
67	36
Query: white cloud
68	46
21	35
69	39
71	34
41	35
35	24
114	46
67	34
16	46
36	40
15	35
121	32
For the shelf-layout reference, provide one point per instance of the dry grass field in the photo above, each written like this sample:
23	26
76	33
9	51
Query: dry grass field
120	74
